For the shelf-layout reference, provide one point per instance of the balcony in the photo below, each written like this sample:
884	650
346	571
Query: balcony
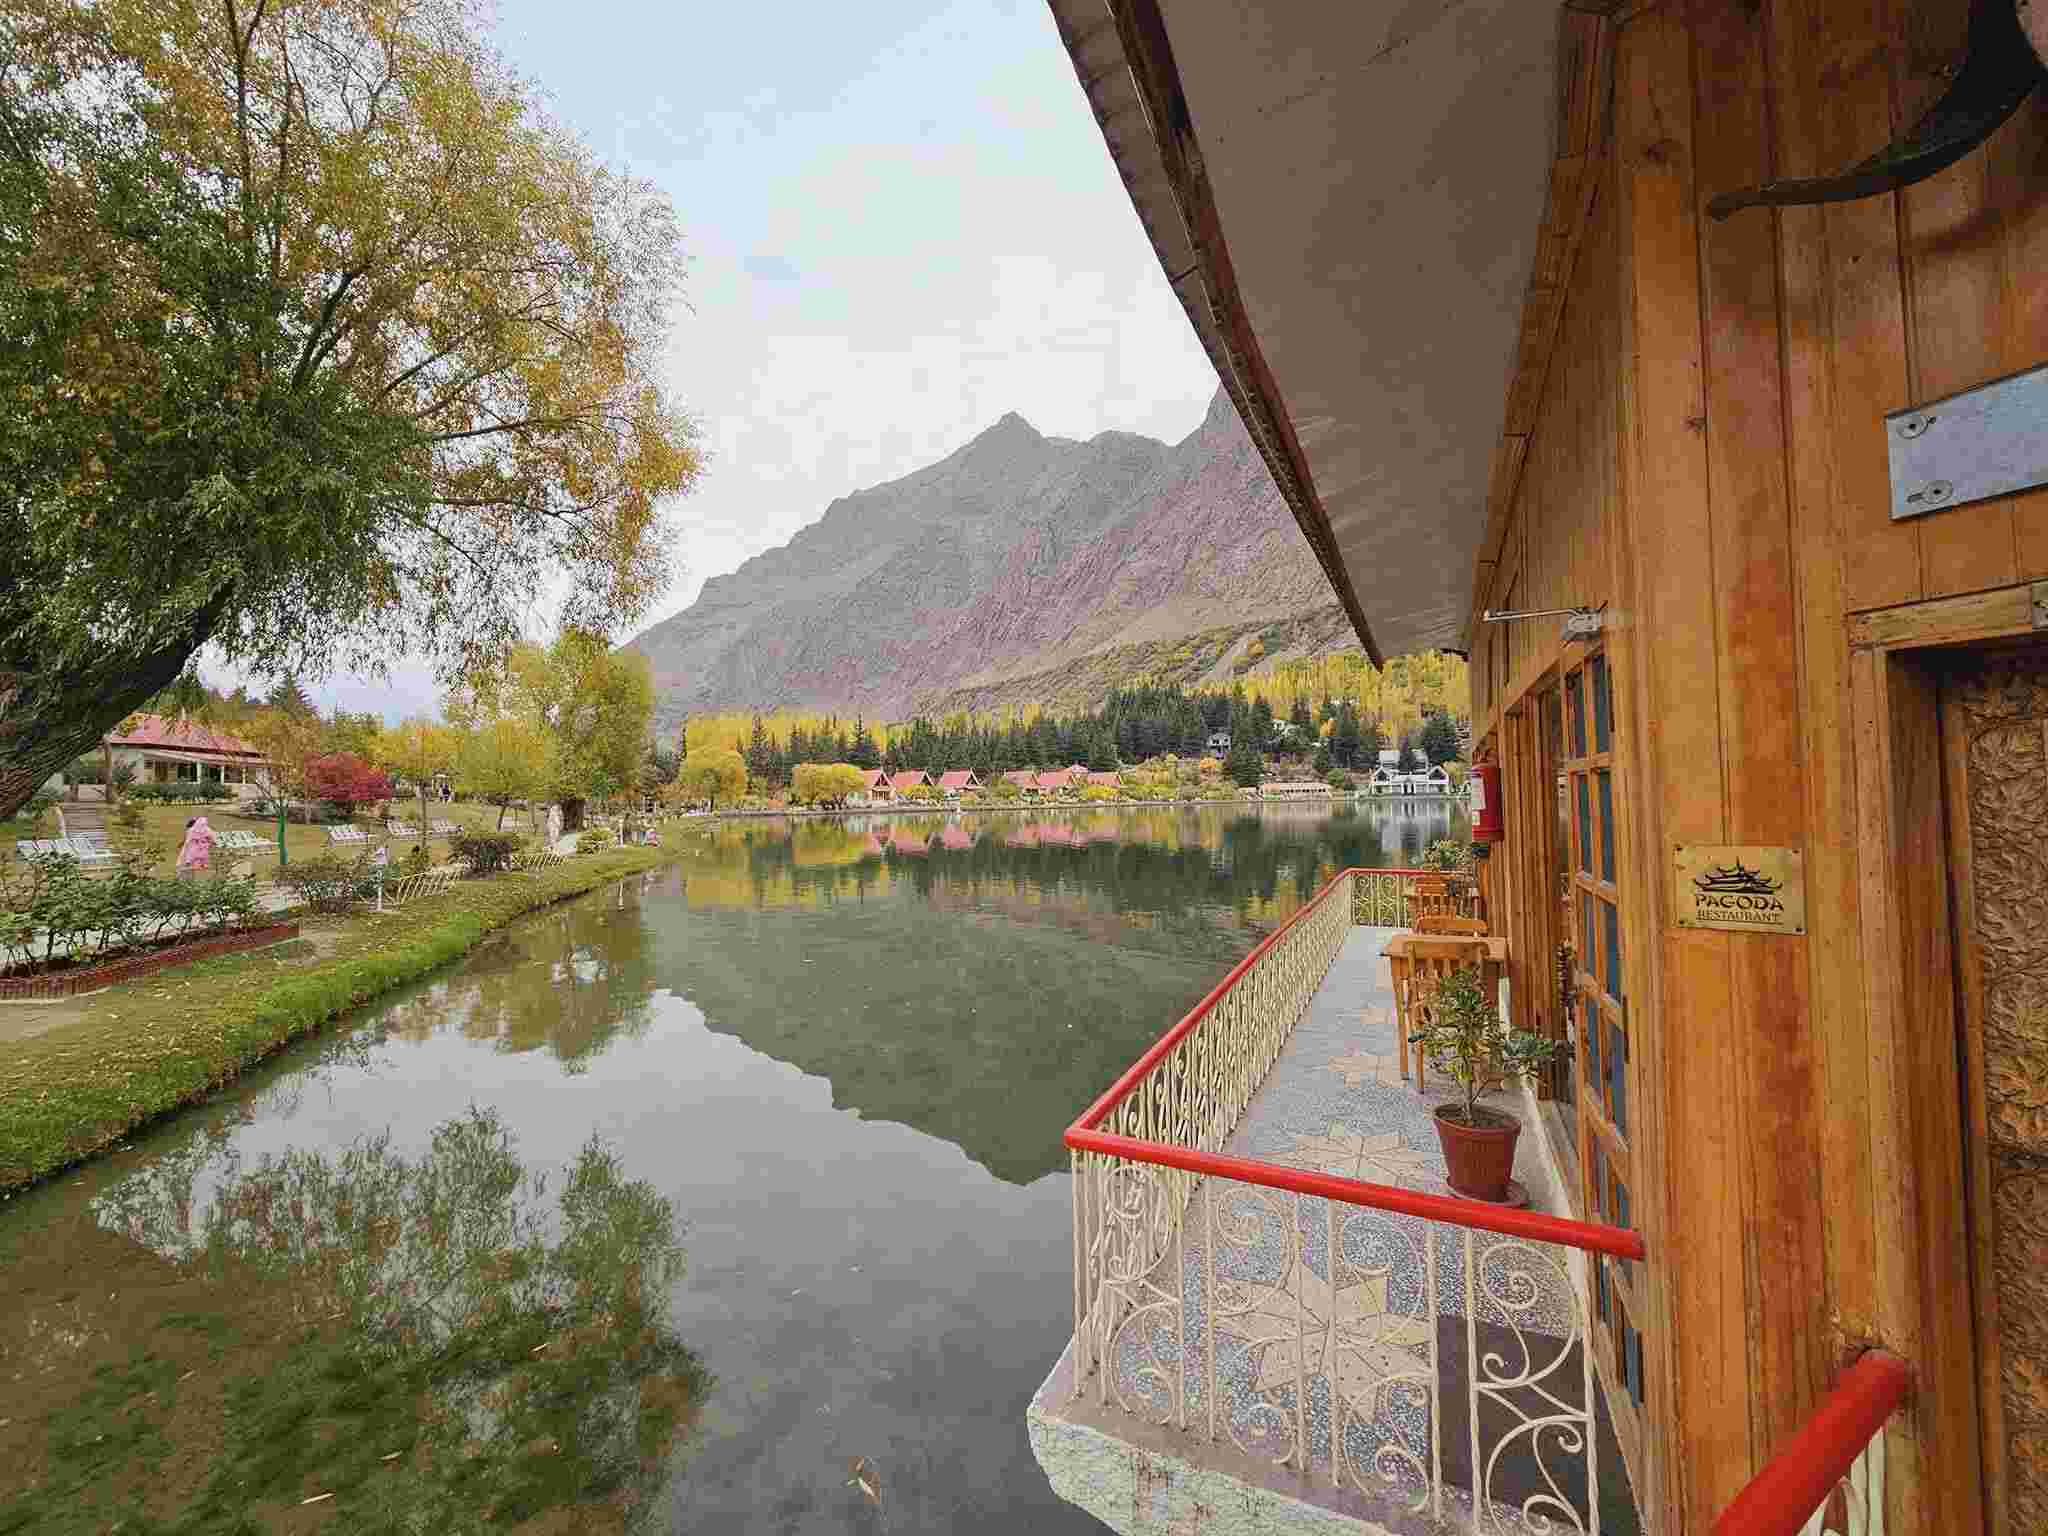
1283	1318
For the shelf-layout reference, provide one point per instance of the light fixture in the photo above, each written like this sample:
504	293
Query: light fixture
1579	623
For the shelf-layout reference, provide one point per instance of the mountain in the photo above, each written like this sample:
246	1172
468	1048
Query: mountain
1019	567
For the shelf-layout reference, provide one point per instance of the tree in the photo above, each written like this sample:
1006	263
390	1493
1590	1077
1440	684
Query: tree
420	751
320	342
863	753
825	783
1244	765
1409	761
1322	763
290	697
343	779
288	743
1439	738
714	776
505	759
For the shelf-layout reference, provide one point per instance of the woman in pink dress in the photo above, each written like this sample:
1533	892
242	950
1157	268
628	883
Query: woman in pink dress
197	853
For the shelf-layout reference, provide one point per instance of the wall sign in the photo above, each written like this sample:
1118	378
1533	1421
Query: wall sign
1742	889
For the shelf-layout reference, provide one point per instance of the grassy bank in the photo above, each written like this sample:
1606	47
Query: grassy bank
143	1049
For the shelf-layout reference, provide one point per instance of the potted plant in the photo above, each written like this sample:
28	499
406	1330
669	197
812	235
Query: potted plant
1464	1038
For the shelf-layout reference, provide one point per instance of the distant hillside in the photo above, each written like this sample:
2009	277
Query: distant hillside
1019	568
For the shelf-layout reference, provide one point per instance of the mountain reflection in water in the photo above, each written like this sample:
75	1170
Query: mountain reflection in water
837	1055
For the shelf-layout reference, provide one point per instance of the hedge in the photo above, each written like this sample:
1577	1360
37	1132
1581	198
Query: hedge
80	1088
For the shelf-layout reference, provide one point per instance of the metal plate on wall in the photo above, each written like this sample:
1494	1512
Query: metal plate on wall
1985	442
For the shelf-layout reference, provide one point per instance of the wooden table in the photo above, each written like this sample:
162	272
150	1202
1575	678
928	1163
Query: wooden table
1490	949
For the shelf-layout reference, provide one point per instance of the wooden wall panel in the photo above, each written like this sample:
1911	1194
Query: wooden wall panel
1769	1035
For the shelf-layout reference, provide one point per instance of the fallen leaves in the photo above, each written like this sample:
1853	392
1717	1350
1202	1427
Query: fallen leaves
866	1479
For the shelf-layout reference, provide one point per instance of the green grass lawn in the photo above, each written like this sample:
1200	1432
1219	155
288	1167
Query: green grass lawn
143	1048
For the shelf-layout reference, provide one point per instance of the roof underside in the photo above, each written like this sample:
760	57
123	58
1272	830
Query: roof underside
1347	199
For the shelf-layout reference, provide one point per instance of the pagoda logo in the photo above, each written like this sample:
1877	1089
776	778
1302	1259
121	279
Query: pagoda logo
1737	879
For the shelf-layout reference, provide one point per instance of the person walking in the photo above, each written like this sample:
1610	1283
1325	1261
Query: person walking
196	855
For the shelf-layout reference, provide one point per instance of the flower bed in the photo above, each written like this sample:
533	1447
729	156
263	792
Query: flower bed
90	978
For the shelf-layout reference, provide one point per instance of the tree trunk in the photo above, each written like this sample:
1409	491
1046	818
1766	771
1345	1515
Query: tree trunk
48	718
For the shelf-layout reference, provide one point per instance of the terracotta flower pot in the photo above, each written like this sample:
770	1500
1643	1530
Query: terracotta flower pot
1481	1157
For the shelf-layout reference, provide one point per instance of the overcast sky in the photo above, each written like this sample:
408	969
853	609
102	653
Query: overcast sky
901	222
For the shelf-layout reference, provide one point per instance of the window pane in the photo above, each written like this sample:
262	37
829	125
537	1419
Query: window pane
1621	1204
1632	1364
1603	706
1596	1183
1589	1031
1600	1284
1612	923
1617	1076
1576	695
1606	825
1585	824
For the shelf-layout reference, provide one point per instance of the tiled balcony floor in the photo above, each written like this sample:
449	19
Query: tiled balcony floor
1335	1102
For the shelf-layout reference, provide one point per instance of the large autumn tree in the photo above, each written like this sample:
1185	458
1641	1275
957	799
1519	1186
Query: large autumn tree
318	342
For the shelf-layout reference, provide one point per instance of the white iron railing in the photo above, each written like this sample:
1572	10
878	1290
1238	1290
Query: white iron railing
1415	1348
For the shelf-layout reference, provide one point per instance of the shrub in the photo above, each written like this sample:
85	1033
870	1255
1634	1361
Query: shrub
127	815
1095	793
53	909
1336	780
596	840
327	883
179	794
484	852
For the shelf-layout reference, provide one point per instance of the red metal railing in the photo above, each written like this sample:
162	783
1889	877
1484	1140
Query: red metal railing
1591	1237
1342	1327
1824	1454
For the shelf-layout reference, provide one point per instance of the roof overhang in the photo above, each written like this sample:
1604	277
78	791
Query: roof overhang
1368	211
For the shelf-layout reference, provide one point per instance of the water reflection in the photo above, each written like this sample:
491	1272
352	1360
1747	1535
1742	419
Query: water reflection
843	1051
432	1342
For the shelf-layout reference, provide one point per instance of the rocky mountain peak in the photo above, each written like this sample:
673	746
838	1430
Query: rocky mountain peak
1016	554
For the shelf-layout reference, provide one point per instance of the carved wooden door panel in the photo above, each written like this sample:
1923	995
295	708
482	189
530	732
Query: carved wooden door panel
1995	729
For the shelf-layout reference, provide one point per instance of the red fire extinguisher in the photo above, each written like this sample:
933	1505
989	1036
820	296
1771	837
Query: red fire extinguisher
1484	788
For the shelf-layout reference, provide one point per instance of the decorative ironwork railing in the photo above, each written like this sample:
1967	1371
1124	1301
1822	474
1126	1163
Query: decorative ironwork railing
1416	1348
1829	1478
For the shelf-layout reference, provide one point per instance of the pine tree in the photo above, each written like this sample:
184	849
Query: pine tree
1439	738
1410	760
863	753
289	697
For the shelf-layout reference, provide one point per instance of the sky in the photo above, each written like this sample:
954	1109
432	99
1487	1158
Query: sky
901	223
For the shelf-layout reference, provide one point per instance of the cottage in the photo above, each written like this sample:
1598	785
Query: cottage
908	779
956	782
1025	779
1103	780
875	788
1219	743
182	751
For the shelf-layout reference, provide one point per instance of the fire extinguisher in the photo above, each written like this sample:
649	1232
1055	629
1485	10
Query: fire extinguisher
1484	789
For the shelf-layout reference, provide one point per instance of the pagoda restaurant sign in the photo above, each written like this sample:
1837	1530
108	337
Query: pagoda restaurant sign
1741	889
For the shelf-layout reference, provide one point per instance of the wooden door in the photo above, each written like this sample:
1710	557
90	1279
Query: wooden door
1995	743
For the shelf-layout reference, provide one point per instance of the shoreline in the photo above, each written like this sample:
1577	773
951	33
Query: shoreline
73	1093
920	809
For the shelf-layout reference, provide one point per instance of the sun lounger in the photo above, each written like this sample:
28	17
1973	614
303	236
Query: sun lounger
443	829
345	835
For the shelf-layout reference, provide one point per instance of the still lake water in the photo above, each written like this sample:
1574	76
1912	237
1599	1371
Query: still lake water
797	1103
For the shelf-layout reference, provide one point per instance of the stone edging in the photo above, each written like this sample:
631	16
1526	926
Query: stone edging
92	977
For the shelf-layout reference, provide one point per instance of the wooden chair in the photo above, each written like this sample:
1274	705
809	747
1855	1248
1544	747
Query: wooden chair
1430	896
1450	923
1429	961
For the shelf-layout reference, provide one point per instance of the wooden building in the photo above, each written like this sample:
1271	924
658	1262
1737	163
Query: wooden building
1457	268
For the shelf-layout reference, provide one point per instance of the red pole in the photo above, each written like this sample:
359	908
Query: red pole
1800	1478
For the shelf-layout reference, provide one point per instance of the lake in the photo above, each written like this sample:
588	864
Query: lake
696	1204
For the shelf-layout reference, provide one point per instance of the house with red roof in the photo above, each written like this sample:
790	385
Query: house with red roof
1105	780
910	778
1055	780
182	751
874	786
955	782
1024	778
